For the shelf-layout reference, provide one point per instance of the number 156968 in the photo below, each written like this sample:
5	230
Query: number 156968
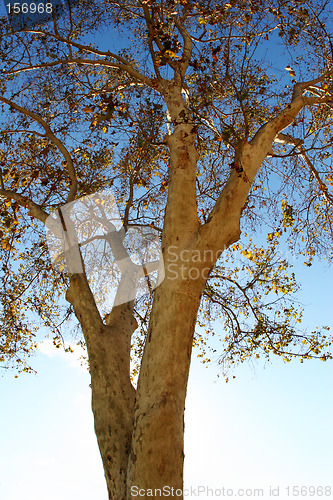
29	8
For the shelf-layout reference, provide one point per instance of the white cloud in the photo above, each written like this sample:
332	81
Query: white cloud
74	359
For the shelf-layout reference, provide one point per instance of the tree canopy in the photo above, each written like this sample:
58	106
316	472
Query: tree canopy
78	119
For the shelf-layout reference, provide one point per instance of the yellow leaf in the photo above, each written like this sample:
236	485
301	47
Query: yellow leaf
6	245
172	54
87	109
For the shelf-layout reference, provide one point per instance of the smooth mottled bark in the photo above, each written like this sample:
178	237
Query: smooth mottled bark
112	392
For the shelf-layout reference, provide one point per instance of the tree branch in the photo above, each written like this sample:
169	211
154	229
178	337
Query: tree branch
223	224
121	64
34	209
152	38
50	135
297	143
265	136
187	51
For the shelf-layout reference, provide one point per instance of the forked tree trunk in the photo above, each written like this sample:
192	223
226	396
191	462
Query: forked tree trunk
141	435
142	443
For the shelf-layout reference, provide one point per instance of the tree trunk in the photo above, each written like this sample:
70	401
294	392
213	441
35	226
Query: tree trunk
113	395
157	454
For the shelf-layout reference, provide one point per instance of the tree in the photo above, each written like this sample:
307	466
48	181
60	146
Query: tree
196	137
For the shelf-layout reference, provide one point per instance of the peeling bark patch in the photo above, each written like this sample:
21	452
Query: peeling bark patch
161	468
183	160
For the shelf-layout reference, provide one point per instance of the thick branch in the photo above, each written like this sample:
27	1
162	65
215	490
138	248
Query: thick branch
265	136
300	87
34	209
152	38
187	51
223	225
50	135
